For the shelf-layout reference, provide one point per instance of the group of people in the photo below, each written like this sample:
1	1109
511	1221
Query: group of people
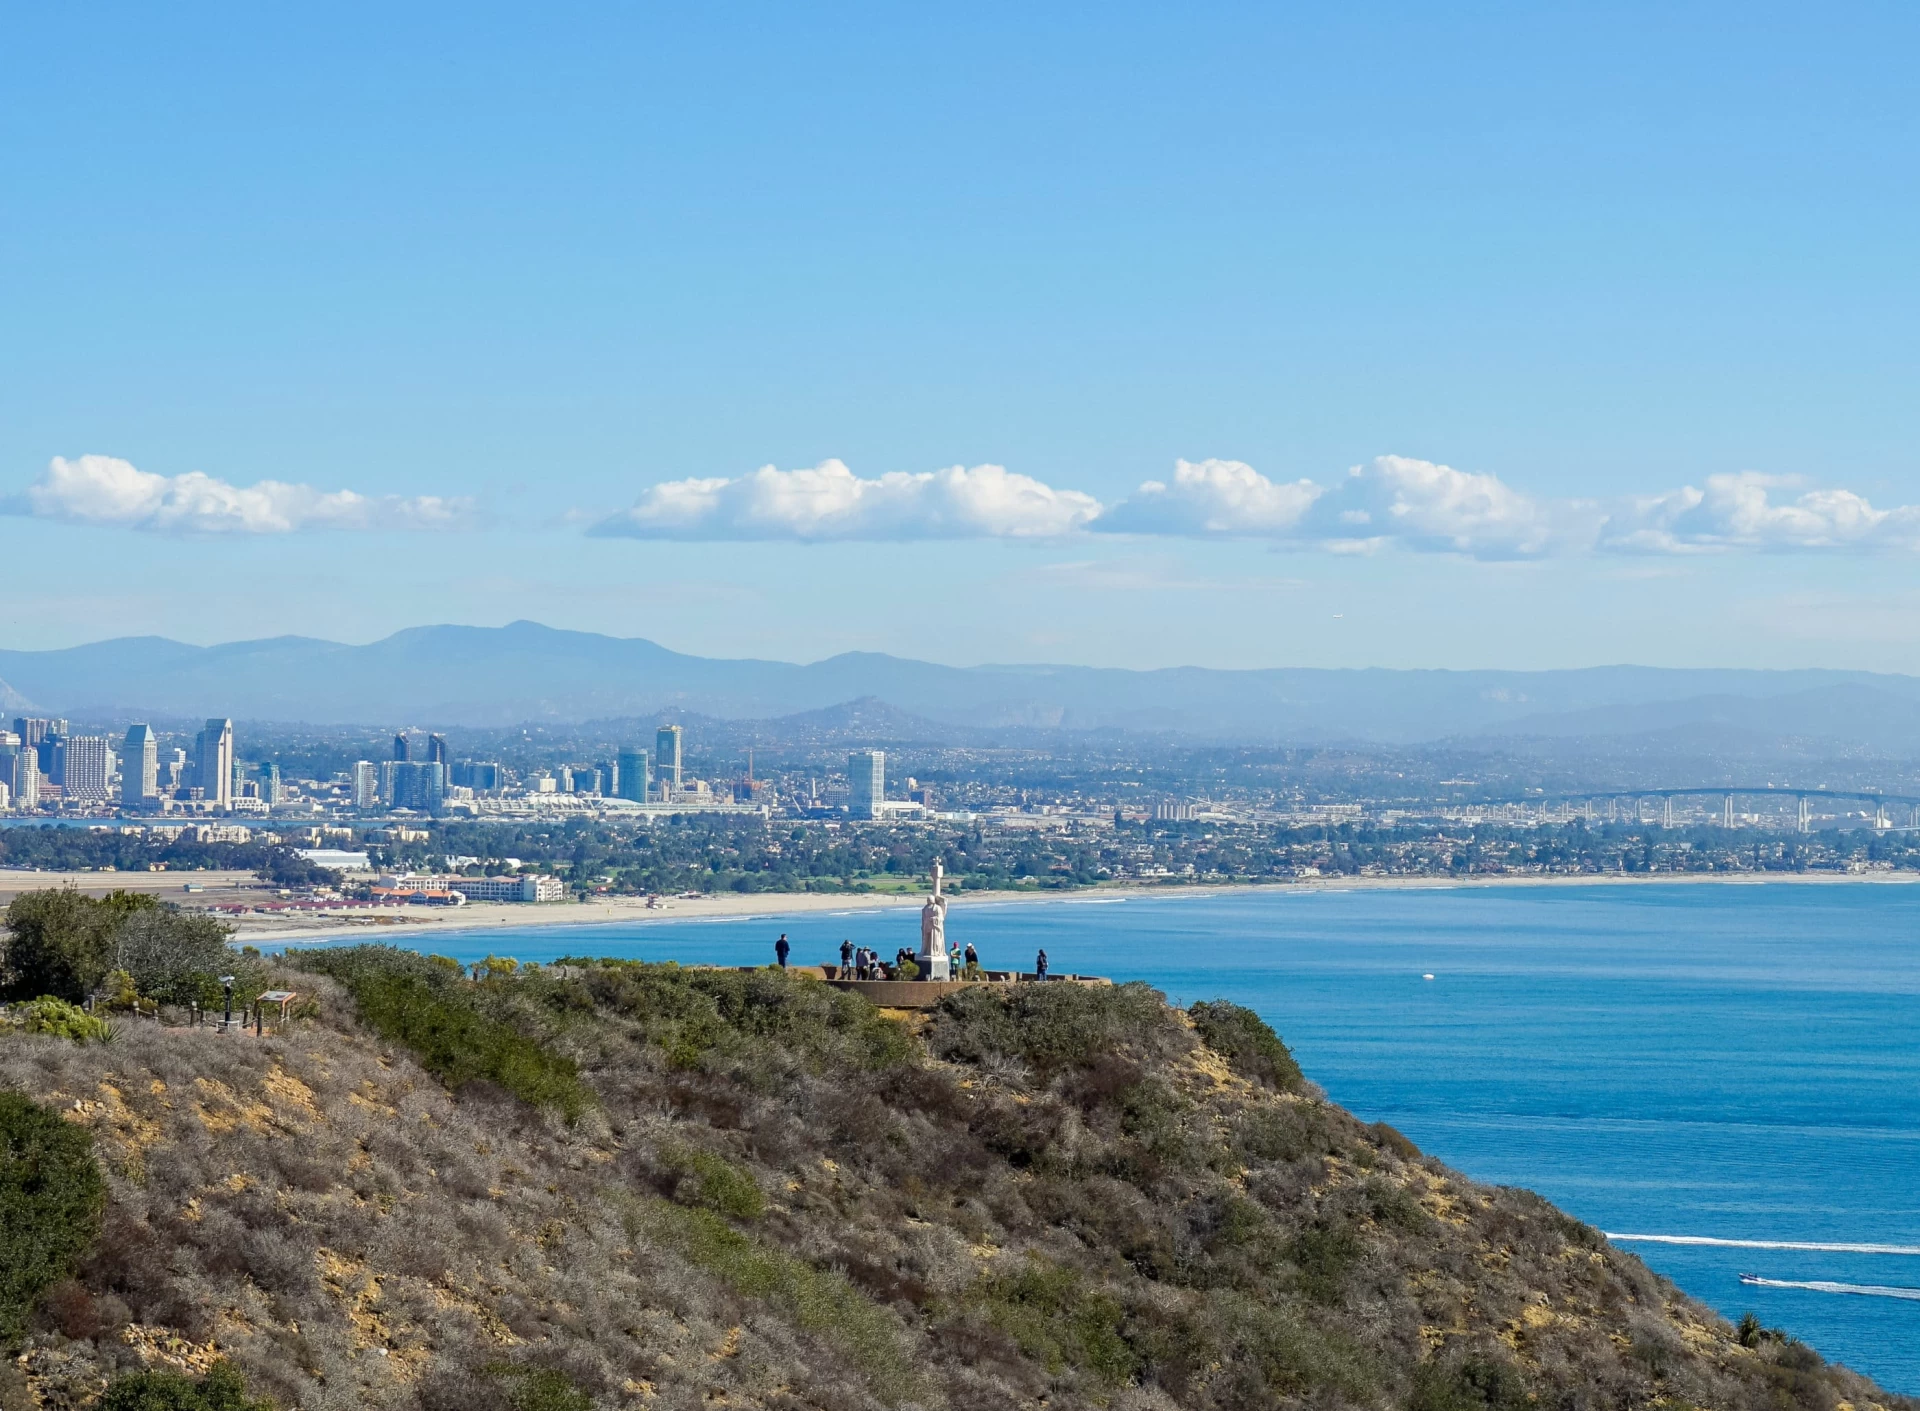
866	964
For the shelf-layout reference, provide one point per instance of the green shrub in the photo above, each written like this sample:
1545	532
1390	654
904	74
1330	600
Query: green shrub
539	1388
1474	1381
818	1301
173	957
62	943
51	1199
1246	1041
409	999
738	1015
1323	1253
715	1183
1059	1321
220	1390
1053	1027
48	1015
1285	1131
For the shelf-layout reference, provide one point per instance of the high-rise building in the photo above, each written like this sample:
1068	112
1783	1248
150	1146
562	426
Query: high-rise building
480	775
418	747
140	767
20	772
867	771
33	730
419	785
213	748
86	767
666	759
634	778
176	771
366	784
270	787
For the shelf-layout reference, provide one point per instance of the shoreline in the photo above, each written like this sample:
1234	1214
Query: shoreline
479	917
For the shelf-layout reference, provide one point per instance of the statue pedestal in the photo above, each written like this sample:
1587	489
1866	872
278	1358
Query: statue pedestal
934	967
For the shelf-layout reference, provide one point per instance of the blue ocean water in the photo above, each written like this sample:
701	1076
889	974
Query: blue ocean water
1739	1062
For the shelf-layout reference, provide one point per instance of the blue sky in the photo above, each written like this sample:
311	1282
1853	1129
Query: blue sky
1590	330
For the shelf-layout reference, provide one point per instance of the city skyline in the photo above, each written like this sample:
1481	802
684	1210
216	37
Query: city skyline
1489	339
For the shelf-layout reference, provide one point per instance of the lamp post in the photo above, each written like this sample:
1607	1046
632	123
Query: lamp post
226	983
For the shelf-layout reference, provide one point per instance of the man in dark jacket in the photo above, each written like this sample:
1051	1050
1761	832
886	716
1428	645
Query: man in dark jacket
781	949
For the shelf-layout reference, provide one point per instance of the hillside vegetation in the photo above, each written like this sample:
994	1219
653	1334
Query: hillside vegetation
623	1185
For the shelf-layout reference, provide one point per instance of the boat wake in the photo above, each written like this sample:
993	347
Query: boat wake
1827	1286
1814	1246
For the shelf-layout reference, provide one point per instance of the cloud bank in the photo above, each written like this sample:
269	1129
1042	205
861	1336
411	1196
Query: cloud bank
103	490
1391	502
1394	500
831	502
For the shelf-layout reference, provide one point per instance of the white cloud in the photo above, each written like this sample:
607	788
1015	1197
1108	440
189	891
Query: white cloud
831	502
1392	500
1738	512
103	490
1214	497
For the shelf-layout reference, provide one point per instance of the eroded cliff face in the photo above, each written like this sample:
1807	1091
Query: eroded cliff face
769	1194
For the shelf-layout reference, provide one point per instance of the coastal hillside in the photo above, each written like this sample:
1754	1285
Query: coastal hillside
609	1184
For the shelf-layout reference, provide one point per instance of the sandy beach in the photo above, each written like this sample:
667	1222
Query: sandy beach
267	928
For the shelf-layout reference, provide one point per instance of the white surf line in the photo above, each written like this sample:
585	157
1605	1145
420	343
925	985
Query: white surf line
1817	1247
1823	1286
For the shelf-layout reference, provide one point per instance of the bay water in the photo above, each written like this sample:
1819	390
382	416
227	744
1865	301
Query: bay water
1736	1063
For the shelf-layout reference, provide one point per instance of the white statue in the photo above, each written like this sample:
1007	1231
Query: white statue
933	933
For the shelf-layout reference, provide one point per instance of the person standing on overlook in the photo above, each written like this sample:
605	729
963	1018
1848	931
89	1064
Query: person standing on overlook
846	956
781	949
1040	966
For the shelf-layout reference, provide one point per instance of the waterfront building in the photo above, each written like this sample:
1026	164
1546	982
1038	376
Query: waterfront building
86	768
634	777
140	767
528	888
271	789
213	748
867	772
366	784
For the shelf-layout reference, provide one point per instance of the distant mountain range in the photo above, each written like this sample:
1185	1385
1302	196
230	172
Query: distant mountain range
496	676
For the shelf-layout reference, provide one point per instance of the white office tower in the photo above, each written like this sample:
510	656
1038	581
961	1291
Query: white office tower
140	767
215	761
366	784
86	768
867	771
666	760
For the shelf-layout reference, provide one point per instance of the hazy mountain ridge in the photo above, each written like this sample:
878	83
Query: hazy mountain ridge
482	676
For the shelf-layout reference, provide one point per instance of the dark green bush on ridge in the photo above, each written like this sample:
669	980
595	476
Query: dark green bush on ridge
51	1197
222	1389
1249	1045
1055	1027
739	1015
409	999
61	943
